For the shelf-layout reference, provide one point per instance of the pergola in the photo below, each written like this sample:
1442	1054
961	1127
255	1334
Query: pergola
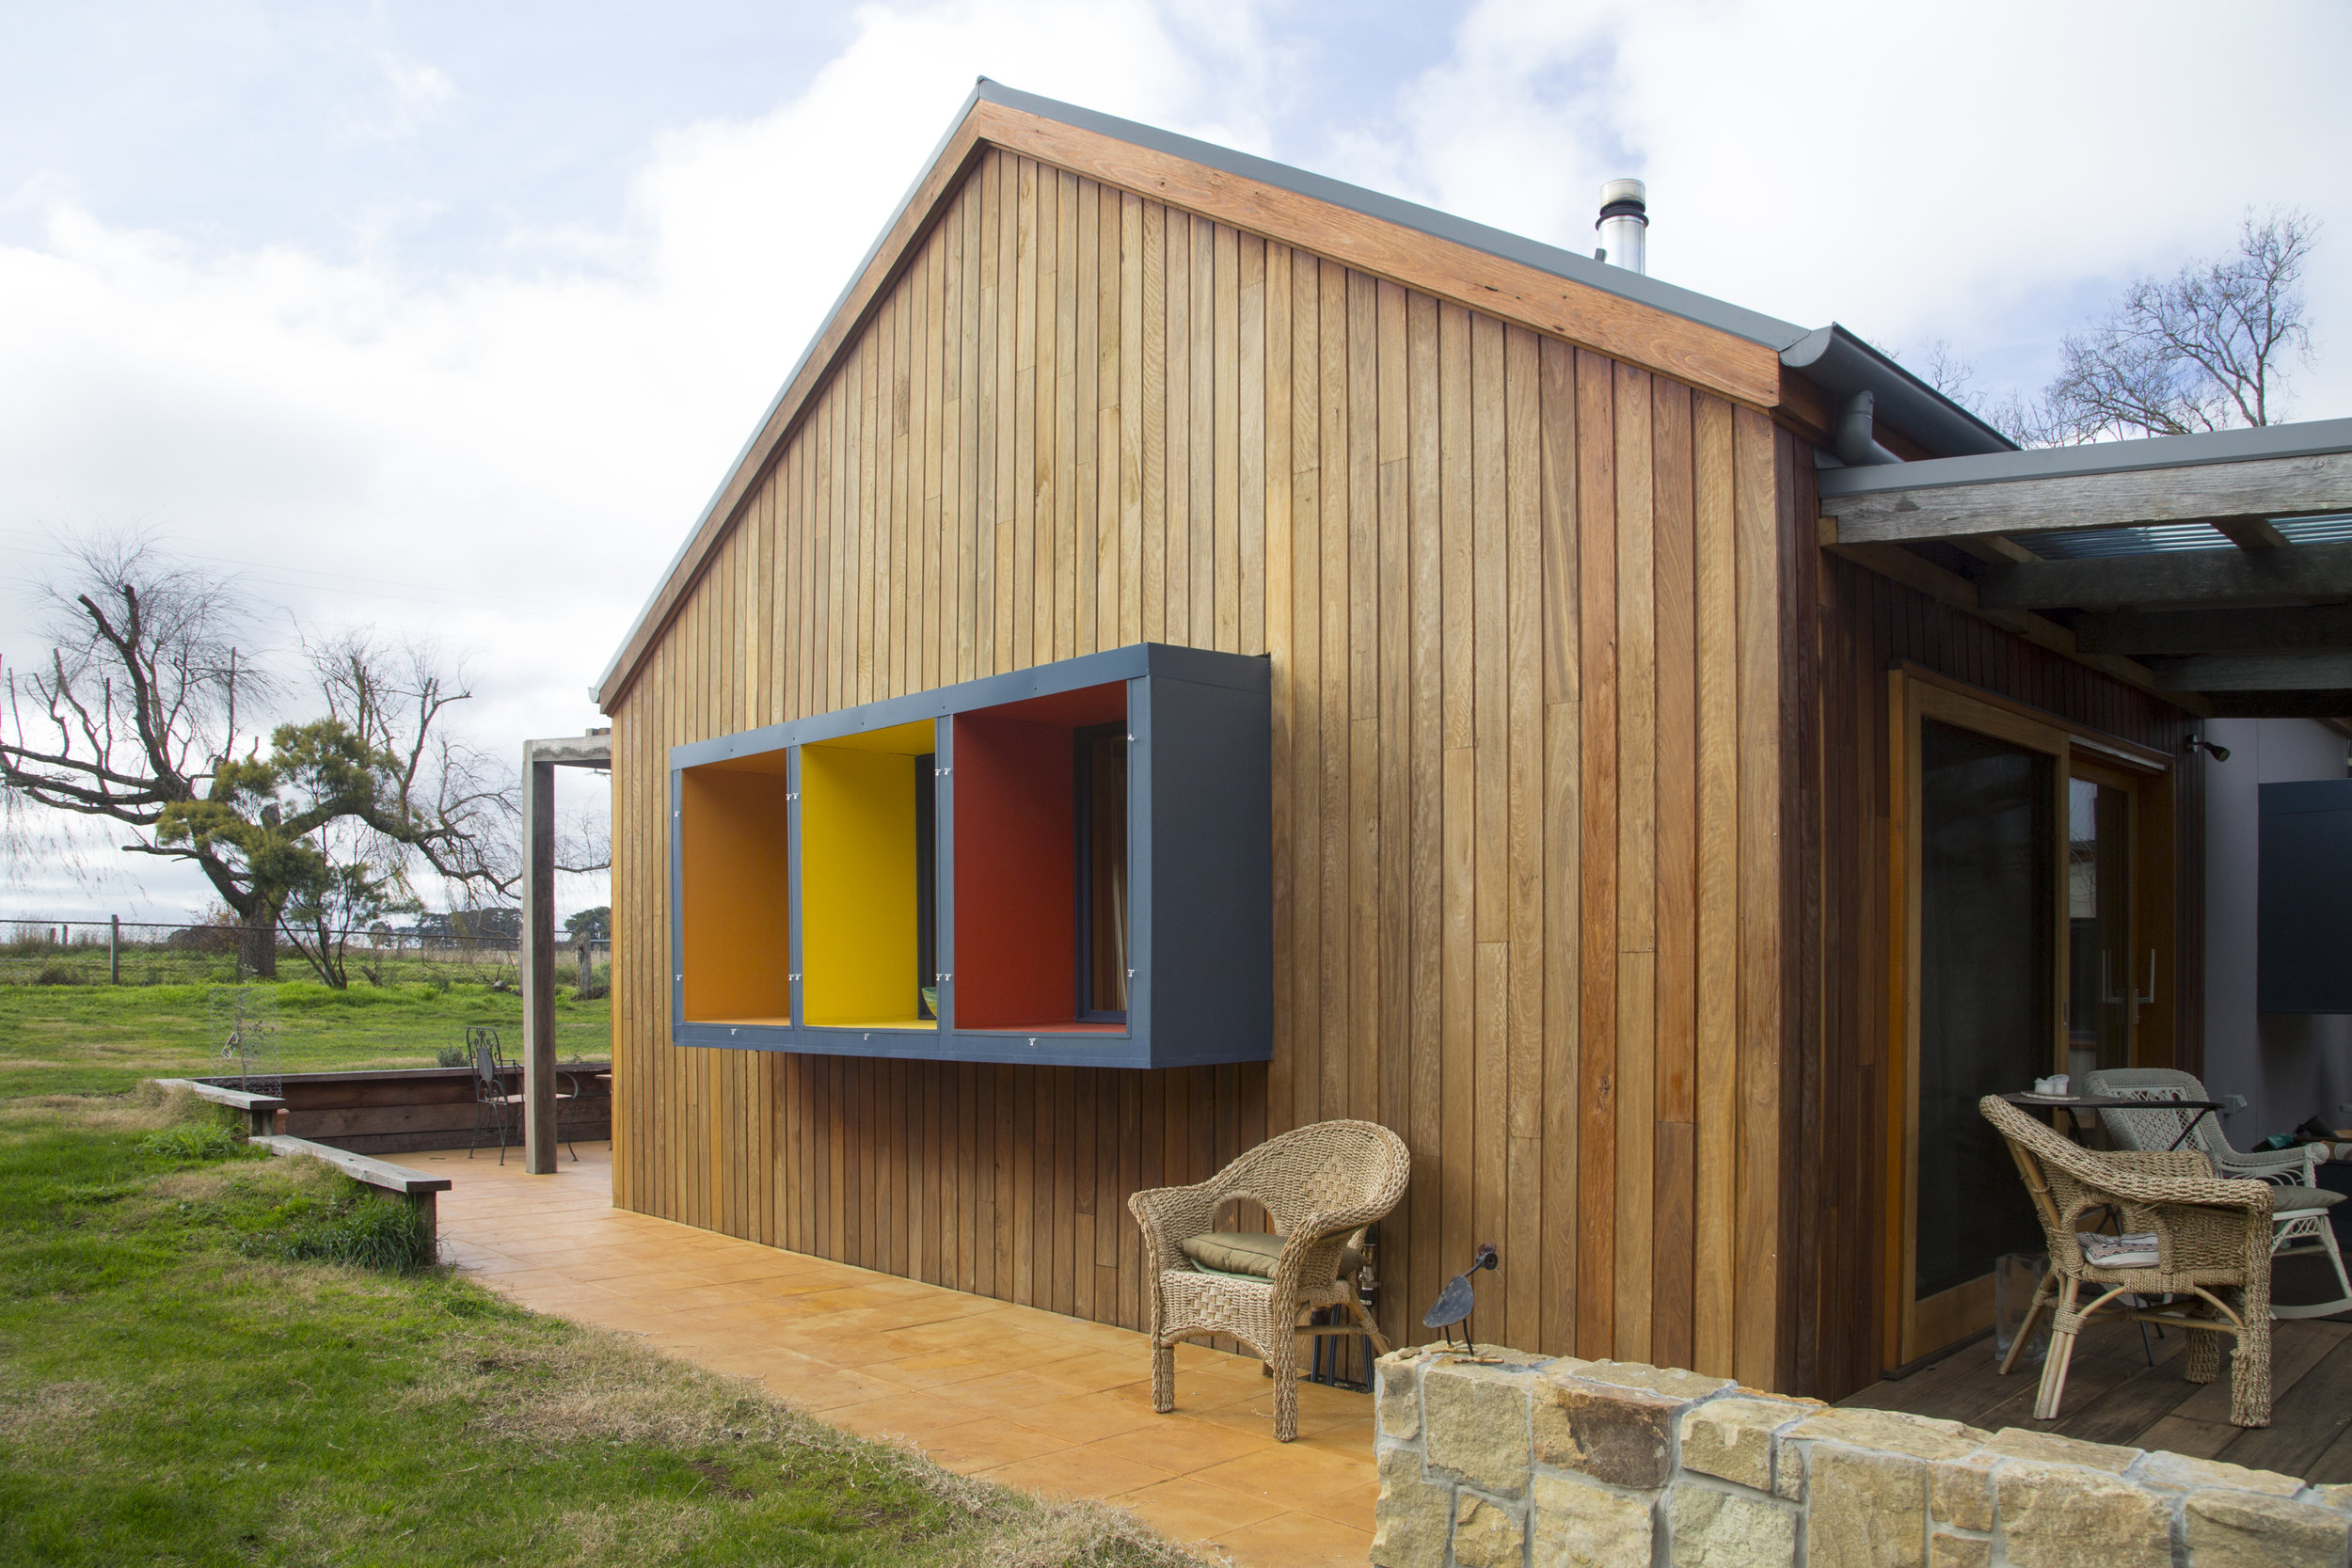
2215	569
541	758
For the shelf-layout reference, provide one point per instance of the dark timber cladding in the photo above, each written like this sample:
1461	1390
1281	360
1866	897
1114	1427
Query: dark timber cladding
1528	608
1868	625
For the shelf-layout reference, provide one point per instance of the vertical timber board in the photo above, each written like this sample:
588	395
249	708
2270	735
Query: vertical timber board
1597	1032
1529	615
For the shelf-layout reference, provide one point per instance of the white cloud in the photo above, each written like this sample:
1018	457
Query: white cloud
1984	174
508	457
506	462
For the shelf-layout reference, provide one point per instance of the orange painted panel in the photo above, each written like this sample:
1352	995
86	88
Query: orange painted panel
737	903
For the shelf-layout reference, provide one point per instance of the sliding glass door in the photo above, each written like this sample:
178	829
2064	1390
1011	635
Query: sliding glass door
2020	900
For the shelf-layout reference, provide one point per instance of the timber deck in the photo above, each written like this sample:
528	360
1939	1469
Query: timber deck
1038	1401
2113	1395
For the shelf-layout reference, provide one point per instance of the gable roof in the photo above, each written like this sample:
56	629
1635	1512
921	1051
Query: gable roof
1724	348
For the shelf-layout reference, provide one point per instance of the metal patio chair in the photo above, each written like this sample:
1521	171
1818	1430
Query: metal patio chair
499	1110
2300	1224
2186	1232
1322	1185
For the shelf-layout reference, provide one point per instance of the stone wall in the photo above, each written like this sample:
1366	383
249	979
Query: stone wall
1518	1461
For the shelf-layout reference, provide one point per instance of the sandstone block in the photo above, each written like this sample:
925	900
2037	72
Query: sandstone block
1577	1526
1920	1436
2185	1474
1671	1381
2050	1449
1865	1509
1487	1534
1946	1550
1722	1529
1398	1379
2064	1516
1474	1421
1612	1433
2252	1530
1960	1492
1414	1516
1733	1438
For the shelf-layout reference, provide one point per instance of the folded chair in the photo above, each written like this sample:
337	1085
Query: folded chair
1322	1185
2298	1205
2187	1233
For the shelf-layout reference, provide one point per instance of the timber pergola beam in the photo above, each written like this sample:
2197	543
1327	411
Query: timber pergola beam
541	758
2228	479
2206	578
2242	620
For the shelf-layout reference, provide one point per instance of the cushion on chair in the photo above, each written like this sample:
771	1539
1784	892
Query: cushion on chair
2285	1200
1252	1253
2134	1250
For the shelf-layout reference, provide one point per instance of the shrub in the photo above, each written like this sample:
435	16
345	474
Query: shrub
191	1141
57	975
450	1056
366	1229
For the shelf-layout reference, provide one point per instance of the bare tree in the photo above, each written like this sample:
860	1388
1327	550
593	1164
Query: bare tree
136	719
2207	349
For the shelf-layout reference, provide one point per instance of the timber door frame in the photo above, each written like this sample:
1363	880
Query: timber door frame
1913	1329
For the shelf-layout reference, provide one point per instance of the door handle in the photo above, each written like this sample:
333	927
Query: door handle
2149	1000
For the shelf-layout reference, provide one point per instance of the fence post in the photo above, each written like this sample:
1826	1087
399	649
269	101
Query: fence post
114	950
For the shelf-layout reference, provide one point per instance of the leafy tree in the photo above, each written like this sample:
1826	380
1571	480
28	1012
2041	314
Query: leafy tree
591	924
135	719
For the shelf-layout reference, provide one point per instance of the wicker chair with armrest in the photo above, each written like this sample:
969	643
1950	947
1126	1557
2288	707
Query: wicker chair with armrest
2211	1242
2300	1224
1322	1185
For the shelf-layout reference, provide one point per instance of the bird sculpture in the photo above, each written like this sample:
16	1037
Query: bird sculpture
1456	1301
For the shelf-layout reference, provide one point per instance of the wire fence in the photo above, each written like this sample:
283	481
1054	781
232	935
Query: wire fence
105	951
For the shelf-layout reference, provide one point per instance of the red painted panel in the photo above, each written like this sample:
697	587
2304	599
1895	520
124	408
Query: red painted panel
1016	828
1089	705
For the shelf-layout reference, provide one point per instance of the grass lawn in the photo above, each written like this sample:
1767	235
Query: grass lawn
178	1387
98	1039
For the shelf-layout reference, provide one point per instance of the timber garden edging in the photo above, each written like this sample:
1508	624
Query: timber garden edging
1508	1459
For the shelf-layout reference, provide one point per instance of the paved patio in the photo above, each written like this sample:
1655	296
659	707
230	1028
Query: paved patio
1029	1398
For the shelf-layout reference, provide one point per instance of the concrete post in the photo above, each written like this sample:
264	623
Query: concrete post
114	950
538	964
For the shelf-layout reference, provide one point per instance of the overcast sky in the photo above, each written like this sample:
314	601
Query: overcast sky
448	319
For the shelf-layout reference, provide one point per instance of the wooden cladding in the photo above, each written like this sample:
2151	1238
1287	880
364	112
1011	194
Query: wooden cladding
1841	1246
1527	611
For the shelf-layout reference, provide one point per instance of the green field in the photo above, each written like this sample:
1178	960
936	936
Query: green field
177	1385
95	1040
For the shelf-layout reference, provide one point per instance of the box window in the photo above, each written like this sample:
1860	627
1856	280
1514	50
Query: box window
735	898
1036	875
866	867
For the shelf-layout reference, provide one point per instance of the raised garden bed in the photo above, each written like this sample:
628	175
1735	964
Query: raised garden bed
393	1110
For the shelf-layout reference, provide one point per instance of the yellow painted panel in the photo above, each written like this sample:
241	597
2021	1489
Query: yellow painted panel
857	884
907	740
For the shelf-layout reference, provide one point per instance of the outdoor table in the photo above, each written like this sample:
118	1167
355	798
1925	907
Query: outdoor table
2029	1101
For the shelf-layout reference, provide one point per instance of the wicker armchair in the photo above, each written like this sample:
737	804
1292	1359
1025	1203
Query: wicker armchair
2212	1241
1322	1185
2300	1220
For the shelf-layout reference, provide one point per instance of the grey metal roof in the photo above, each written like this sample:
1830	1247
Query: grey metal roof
2312	438
1831	357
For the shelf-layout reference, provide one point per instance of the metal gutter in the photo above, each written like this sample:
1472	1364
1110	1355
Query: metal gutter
1842	364
2312	438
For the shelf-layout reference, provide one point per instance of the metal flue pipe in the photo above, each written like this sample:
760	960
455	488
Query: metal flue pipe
1624	224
